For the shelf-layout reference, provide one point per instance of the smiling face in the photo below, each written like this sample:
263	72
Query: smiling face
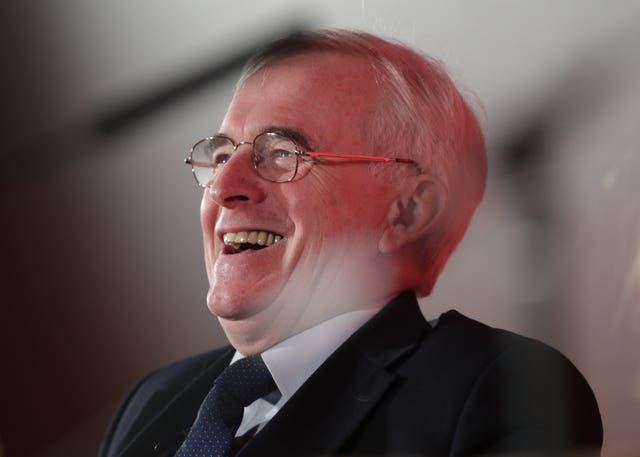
328	221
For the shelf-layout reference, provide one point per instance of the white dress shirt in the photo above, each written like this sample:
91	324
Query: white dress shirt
292	361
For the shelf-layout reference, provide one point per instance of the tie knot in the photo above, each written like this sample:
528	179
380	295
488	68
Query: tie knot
247	380
220	414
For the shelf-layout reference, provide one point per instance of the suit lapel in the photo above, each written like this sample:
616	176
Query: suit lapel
330	405
167	430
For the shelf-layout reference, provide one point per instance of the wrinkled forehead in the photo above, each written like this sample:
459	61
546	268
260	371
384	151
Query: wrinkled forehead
334	89
343	78
358	64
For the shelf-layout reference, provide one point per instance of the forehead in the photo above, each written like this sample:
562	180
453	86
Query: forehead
315	93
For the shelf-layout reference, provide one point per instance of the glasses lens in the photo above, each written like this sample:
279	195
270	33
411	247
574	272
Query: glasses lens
209	155
274	157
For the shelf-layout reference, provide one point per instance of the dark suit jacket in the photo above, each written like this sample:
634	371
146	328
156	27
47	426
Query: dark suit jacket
397	386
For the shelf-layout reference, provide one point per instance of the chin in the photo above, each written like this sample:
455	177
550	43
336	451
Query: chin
246	323
233	306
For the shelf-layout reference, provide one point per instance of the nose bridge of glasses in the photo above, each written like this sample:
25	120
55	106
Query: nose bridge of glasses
242	143
234	149
230	180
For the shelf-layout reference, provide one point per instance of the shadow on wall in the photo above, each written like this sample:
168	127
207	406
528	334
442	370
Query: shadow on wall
578	161
101	249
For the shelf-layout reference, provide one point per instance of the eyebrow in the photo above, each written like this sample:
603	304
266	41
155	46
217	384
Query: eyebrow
295	134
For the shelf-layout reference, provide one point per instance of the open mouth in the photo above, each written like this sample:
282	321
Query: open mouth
235	243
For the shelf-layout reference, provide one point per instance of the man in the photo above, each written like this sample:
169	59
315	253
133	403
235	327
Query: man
345	172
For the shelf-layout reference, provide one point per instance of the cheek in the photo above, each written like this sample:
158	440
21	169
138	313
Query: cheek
336	204
348	205
314	210
208	214
326	190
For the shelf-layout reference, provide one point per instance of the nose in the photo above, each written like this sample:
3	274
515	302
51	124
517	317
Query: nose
237	181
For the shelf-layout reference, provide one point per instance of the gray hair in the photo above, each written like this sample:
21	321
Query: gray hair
420	114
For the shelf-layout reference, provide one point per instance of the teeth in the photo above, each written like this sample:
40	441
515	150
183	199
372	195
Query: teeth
254	237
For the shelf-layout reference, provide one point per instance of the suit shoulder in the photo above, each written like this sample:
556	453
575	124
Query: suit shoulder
153	393
459	334
177	374
467	344
461	349
454	322
544	401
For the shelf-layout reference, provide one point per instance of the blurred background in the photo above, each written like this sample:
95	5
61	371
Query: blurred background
102	272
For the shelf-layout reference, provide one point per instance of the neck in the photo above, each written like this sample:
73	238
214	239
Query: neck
275	323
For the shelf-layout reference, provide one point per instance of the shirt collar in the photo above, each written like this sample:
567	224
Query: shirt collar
292	361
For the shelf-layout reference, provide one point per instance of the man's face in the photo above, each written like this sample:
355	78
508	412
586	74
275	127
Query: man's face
330	219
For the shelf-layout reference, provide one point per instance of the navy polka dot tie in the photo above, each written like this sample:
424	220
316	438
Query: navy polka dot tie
220	414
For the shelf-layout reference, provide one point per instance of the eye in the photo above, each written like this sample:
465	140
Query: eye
219	158
218	150
282	153
282	158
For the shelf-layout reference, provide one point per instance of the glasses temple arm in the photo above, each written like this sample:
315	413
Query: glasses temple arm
331	155
365	158
195	163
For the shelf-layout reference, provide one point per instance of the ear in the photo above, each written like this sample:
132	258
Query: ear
418	208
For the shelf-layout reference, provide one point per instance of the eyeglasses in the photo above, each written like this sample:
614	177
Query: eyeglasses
275	157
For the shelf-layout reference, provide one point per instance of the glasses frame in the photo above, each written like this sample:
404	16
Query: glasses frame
299	154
